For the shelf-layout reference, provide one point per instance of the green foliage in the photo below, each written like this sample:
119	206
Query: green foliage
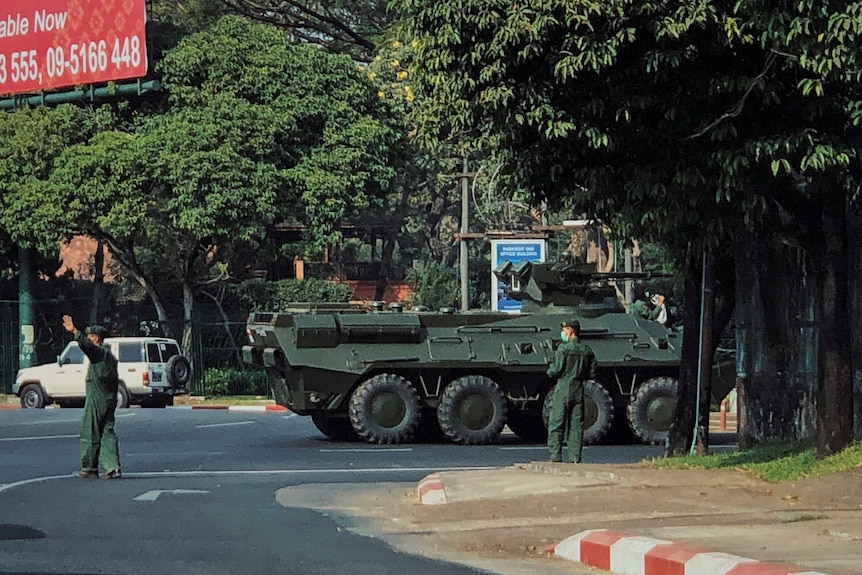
253	128
433	286
220	382
262	295
771	461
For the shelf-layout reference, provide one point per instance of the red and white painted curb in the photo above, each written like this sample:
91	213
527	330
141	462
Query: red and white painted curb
630	555
232	407
431	490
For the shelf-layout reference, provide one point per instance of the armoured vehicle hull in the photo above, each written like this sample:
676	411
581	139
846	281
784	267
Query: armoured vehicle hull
393	376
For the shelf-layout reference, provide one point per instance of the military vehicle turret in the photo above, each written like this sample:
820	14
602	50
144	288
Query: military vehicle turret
392	375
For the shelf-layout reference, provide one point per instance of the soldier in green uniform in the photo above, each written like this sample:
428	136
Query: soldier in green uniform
98	439
574	363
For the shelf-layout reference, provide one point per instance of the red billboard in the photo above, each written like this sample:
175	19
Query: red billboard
47	44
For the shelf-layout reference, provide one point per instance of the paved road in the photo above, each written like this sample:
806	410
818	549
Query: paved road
199	494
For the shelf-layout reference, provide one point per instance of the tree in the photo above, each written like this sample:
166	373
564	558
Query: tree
341	27
809	143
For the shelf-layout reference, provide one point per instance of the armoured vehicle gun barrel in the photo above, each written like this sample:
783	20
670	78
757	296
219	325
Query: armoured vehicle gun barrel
392	375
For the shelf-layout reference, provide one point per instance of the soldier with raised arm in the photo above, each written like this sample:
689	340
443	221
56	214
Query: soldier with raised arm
98	438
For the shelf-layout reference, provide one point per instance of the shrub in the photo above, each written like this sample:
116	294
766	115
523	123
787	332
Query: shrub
262	295
219	382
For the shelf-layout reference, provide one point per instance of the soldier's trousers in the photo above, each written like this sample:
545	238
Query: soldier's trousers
566	421
98	439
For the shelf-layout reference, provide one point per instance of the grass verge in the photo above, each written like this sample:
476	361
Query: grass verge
771	461
222	400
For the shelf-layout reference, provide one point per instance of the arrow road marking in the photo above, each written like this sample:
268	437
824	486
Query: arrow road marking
154	494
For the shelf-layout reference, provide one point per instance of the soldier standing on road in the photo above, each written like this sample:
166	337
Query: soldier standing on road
574	363
98	439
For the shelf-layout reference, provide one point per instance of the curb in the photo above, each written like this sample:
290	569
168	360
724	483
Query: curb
431	490
232	407
626	554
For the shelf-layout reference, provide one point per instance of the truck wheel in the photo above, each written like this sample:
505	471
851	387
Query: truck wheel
179	371
528	425
385	409
33	396
335	428
598	412
124	398
472	410
650	411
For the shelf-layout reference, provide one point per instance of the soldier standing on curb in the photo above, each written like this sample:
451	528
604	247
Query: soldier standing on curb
98	439
574	363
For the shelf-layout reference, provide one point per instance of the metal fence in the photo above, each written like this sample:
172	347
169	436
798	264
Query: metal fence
8	345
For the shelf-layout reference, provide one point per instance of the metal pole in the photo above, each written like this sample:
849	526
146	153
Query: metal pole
463	264
628	269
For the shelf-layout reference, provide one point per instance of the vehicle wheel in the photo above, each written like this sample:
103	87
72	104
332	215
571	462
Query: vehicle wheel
528	425
472	410
598	412
33	397
124	398
335	428
179	371
385	409
650	411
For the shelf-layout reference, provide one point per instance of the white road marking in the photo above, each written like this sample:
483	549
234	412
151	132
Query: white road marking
38	437
524	448
50	421
183	453
257	472
233	423
369	450
152	495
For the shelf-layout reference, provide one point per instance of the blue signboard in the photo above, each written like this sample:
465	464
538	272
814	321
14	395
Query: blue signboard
512	251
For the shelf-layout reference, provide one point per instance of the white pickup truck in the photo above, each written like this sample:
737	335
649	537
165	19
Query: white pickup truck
151	371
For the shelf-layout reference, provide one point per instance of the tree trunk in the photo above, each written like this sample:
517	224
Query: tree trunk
681	432
776	341
388	247
98	281
188	315
835	389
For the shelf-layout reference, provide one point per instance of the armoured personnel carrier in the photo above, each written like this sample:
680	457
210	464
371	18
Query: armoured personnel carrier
391	375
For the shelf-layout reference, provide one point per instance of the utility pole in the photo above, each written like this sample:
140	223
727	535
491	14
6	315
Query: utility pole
465	228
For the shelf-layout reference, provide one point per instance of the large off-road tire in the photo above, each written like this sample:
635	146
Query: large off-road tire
33	396
179	371
124	398
528	425
650	412
335	428
598	412
385	409
472	410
